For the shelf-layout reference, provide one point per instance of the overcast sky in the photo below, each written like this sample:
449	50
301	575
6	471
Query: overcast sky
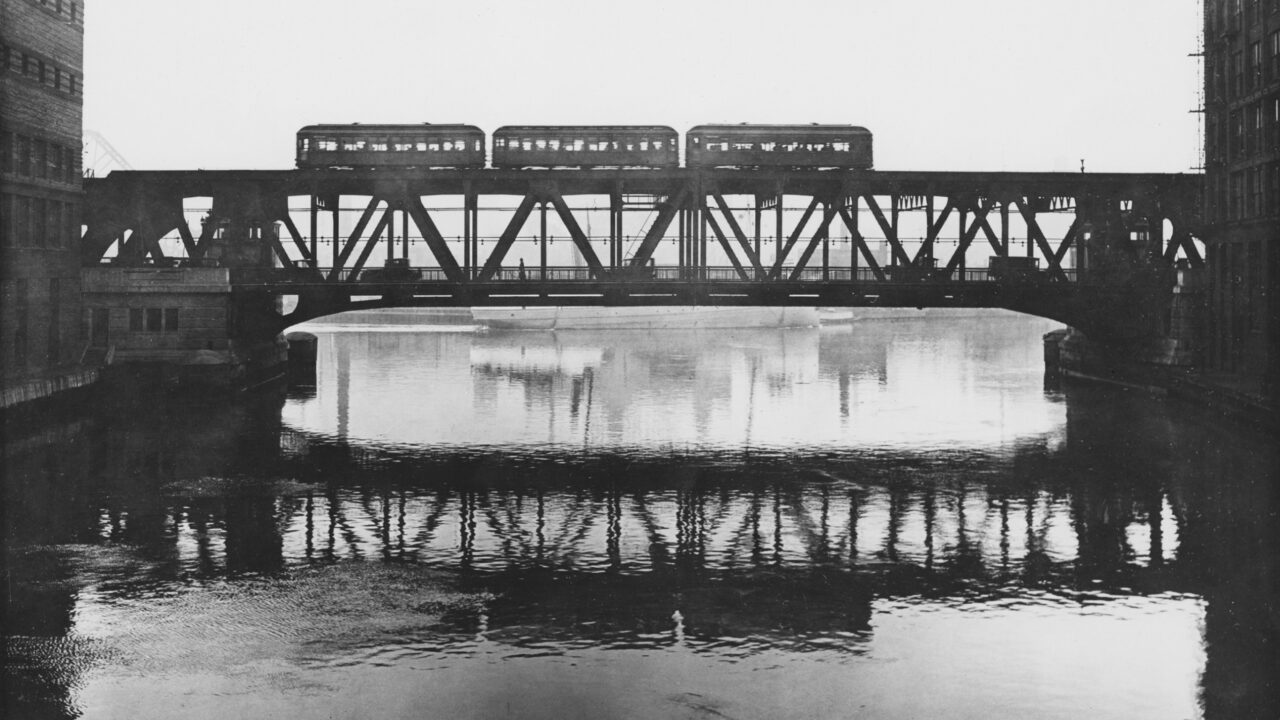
943	84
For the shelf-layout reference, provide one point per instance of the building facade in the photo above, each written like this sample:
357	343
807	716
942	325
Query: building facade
41	98
1242	189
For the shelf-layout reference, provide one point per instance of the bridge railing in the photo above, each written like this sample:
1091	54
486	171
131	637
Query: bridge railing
891	274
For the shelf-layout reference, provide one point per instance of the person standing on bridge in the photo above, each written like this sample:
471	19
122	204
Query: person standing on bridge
520	274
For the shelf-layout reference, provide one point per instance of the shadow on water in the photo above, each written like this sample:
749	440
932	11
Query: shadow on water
728	551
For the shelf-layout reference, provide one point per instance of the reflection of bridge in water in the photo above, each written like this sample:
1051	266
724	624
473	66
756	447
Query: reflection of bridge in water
599	548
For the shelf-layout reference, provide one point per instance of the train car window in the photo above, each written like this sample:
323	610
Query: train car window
378	145
657	144
448	146
476	145
552	145
327	144
402	146
353	145
768	146
526	145
499	143
577	145
644	145
420	145
743	146
840	146
541	144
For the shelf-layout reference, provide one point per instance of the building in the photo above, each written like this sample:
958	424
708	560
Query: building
41	98
1242	190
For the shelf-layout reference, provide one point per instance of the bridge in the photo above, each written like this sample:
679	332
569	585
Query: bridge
1096	251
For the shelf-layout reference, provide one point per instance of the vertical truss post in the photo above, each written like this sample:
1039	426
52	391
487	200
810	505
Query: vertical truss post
855	239
615	229
472	204
1004	228
315	229
404	233
542	257
927	251
702	231
758	218
826	254
467	231
777	218
391	232
337	202
895	203
682	243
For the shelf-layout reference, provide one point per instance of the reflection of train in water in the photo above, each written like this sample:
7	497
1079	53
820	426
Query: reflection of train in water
845	147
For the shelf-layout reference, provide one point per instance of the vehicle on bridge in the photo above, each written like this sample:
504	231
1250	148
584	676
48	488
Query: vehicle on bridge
780	146
390	146
394	271
1013	268
585	146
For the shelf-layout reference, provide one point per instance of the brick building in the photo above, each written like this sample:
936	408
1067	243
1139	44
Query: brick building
1242	188
41	97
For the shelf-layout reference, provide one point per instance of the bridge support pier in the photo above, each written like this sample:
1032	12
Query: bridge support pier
184	326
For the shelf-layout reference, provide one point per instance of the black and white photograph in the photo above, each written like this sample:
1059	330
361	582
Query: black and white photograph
704	360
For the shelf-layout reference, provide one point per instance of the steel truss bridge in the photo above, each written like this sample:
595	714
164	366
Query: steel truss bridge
1098	242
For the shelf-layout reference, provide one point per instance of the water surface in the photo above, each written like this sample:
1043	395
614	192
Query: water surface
890	520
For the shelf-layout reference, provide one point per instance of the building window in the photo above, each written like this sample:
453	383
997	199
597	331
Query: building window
1255	65
1275	55
153	319
1253	191
1237	192
24	155
1237	74
20	332
55	321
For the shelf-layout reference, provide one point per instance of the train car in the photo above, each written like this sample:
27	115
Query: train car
791	146
391	146
585	146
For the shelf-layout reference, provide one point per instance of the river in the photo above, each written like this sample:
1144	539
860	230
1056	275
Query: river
890	519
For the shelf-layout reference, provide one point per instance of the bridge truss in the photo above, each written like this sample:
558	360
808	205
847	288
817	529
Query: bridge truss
341	239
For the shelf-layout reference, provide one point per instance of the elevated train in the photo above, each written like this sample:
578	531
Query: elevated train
842	147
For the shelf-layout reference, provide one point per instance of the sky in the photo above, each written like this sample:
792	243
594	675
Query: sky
1027	85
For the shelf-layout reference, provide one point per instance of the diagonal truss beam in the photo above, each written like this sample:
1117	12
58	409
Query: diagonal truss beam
860	242
387	216
1034	231
579	238
350	245
890	234
737	233
935	229
829	211
724	244
508	238
776	272
435	241
966	236
666	214
298	241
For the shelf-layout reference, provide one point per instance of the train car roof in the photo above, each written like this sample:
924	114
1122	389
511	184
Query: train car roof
586	128
744	128
366	129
